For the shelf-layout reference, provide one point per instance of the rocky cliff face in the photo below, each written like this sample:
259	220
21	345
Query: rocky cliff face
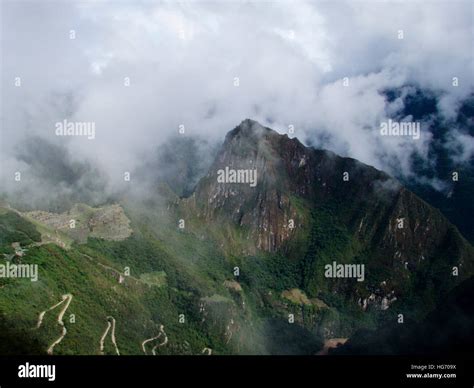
263	206
303	197
375	207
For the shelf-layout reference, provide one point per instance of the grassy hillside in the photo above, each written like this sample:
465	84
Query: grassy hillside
166	279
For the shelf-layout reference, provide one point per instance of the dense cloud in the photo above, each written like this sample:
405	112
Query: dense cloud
182	61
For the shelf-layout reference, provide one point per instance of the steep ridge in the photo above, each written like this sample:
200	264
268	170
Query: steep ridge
315	207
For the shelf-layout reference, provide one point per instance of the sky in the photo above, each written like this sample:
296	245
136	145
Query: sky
141	70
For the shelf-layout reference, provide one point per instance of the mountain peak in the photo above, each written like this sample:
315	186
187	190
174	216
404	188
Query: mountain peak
249	128
293	180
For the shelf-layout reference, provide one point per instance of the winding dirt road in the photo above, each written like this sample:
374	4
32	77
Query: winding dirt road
149	340
65	298
163	343
110	324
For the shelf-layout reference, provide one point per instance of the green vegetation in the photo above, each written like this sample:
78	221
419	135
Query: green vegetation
13	228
